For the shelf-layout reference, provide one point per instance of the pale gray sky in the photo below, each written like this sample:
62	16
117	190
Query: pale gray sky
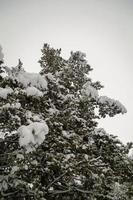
103	29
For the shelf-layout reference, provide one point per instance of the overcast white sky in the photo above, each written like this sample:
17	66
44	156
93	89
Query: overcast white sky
103	29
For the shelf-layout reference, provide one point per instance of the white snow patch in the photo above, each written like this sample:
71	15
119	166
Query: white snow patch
16	105
31	117
32	135
4	92
13	105
27	78
86	157
32	78
30	185
50	76
84	146
77	180
32	91
51	188
100	132
65	134
89	91
2	135
130	154
86	76
37	118
72	84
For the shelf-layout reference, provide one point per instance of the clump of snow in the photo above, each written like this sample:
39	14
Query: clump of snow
30	185
86	157
51	189
111	102
65	134
130	154
16	105
32	91
13	105
68	134
5	132
100	132
32	135
27	78
89	91
50	76
4	92
72	84
32	79
2	135
37	118
31	117
84	146
34	162
77	180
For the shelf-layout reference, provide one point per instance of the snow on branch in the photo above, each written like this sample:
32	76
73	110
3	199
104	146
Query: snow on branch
27	78
32	135
104	100
4	92
89	91
32	91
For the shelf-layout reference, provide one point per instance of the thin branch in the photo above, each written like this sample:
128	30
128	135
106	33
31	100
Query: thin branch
59	191
8	194
95	159
83	191
56	179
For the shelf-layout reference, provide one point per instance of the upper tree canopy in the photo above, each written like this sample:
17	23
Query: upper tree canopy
53	148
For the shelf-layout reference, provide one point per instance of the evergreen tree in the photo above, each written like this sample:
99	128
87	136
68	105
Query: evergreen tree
53	148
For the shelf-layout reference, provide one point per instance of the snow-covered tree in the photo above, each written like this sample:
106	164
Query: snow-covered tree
52	147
